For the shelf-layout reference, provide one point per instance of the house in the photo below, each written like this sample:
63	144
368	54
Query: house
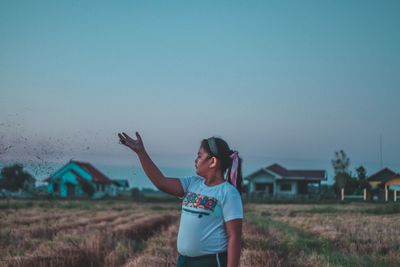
79	179
383	183
275	181
120	186
392	183
376	179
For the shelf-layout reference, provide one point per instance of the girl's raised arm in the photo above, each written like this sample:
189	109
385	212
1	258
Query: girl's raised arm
169	185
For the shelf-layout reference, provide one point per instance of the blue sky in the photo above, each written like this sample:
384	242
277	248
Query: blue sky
281	81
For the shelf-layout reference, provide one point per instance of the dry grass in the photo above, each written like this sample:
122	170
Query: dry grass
145	235
144	227
78	238
35	216
256	248
19	237
267	247
377	236
160	250
351	231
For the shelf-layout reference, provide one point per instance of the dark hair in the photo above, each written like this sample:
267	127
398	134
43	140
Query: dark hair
223	153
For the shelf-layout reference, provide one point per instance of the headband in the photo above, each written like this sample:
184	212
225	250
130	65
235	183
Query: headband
213	146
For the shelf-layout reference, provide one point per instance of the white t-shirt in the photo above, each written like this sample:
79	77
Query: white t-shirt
205	209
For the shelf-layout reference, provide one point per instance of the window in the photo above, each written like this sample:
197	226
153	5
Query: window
264	187
286	187
261	186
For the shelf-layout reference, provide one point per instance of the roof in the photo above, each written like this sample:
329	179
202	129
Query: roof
97	176
283	172
121	182
278	169
48	179
381	175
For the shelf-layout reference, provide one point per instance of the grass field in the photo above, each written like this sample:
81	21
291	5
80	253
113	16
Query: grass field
124	233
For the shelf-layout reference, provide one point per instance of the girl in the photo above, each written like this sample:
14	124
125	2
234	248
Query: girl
211	220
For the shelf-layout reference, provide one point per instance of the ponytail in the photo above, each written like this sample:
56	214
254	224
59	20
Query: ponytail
234	174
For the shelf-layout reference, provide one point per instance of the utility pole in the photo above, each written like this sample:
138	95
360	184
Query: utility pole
380	149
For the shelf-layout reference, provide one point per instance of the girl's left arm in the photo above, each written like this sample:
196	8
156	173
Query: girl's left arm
234	231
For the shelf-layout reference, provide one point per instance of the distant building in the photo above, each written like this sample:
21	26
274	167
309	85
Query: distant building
376	179
383	180
276	181
392	183
77	179
122	184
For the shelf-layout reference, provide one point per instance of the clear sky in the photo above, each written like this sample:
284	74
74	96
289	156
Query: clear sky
279	80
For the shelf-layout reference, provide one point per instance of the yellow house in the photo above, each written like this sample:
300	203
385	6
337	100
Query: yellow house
376	179
384	183
392	183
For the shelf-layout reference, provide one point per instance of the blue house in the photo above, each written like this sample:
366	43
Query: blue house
80	179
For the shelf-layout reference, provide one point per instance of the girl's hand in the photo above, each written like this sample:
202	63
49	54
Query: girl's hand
135	145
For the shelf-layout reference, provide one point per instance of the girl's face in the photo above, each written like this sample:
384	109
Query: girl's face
202	162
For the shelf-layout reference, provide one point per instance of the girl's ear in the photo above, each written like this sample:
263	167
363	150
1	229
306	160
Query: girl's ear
213	162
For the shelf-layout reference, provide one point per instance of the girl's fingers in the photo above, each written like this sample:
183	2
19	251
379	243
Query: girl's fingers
138	137
130	142
121	138
127	137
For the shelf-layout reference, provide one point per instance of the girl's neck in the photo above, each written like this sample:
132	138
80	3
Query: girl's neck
214	179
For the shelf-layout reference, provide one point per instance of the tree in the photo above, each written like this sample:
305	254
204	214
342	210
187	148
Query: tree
361	173
362	182
343	179
341	162
14	178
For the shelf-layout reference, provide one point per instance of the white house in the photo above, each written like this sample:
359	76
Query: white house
276	181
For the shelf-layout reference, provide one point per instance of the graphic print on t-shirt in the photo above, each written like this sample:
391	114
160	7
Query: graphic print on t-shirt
204	205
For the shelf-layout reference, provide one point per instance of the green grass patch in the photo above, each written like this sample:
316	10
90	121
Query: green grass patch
390	208
315	210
